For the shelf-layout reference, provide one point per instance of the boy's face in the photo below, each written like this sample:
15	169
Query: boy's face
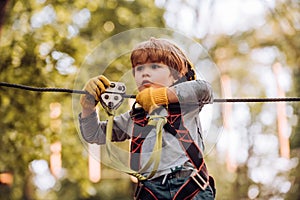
153	75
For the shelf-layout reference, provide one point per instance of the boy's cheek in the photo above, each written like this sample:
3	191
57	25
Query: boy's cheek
137	81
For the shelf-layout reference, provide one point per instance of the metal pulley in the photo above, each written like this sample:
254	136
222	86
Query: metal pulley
113	96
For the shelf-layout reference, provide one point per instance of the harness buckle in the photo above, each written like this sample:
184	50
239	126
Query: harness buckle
199	180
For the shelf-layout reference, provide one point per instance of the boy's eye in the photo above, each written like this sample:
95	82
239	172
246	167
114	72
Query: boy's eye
155	66
139	68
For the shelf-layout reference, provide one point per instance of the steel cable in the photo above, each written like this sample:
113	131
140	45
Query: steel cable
225	100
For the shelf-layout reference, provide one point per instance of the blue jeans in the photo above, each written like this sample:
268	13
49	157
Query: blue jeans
168	190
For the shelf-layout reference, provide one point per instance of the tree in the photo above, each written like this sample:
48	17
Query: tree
43	44
245	46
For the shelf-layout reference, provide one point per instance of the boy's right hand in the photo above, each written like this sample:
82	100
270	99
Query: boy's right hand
95	87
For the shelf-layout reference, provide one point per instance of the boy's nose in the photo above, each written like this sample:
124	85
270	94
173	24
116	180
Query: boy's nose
146	72
145	75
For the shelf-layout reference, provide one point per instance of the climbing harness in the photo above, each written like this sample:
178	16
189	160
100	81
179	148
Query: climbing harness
158	122
199	178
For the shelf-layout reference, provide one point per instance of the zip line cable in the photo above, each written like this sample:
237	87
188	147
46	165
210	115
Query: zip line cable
226	100
42	89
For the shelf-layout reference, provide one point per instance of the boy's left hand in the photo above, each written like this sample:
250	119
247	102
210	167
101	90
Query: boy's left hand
150	98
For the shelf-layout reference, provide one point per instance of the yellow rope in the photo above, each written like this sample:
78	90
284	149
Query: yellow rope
159	122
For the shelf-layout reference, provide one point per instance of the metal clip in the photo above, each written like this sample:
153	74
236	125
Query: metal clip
196	175
164	179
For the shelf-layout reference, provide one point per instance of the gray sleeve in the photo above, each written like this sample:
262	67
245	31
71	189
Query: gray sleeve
195	91
93	130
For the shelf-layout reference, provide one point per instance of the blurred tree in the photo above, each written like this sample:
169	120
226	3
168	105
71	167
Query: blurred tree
282	22
2	11
295	137
294	192
42	44
246	52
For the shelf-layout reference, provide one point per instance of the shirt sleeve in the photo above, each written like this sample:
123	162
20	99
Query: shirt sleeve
94	131
195	91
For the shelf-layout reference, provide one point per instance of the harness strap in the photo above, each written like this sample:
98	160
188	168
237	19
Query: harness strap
176	127
140	132
192	150
143	193
199	179
115	161
137	140
154	159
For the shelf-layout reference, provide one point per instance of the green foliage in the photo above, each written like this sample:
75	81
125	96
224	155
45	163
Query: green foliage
35	37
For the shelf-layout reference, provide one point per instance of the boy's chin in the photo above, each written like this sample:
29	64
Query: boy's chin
148	85
142	88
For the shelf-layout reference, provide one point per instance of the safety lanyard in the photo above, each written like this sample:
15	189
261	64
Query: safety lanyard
156	121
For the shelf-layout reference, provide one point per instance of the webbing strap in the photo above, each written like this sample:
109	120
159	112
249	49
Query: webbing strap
156	153
140	132
187	191
115	161
176	127
192	150
154	159
199	179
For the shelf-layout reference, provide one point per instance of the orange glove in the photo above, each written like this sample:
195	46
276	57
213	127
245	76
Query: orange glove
150	98
95	87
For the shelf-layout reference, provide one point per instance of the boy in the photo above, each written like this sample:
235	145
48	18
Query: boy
167	87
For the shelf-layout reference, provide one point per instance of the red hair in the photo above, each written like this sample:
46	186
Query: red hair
161	51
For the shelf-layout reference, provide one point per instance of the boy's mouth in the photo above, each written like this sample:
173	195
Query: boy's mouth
146	83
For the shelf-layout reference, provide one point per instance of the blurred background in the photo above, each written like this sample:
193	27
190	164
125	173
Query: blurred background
255	45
